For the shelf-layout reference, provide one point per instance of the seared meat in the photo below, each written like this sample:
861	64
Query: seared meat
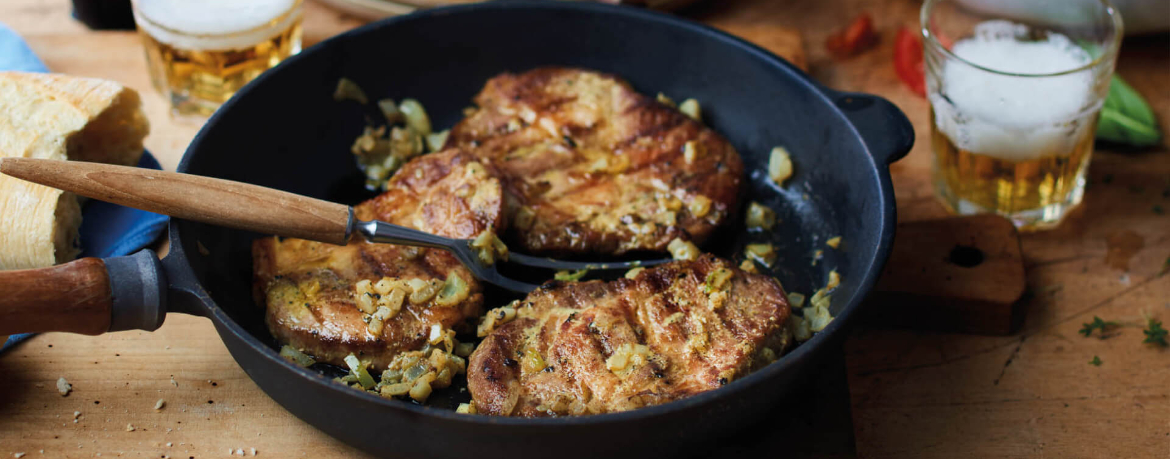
596	347
592	166
310	288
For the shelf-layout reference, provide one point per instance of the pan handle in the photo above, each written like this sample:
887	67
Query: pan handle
885	129
89	296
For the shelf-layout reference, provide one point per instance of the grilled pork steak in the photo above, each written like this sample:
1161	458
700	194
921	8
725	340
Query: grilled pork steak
592	166
597	347
310	289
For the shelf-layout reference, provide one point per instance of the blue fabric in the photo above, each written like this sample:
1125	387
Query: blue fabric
15	53
107	230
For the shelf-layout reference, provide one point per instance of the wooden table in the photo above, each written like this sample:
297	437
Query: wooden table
914	394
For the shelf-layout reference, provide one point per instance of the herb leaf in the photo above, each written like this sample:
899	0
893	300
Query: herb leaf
1095	362
1097	324
1155	334
1126	118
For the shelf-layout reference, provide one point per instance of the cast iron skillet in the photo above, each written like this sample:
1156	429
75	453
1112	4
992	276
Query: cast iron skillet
285	131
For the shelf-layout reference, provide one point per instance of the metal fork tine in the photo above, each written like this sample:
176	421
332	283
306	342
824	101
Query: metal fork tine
487	274
549	263
382	232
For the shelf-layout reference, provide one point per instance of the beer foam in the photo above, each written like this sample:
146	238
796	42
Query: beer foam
213	24
1015	118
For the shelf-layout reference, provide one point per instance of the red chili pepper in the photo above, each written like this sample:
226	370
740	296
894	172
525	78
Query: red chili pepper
853	39
908	61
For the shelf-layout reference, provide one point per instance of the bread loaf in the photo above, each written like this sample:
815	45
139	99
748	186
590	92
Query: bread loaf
58	117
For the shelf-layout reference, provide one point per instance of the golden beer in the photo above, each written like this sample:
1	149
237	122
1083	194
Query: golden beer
200	53
1037	191
1014	90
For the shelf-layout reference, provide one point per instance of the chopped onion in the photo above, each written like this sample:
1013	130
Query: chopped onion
779	165
749	266
662	99
682	250
423	290
348	90
435	141
495	318
817	317
533	362
464	349
690	107
466	408
566	276
799	327
764	254
691	151
717	279
834	280
454	291
358	369
390	111
489	247
395	390
700	206
416	116
296	356
760	216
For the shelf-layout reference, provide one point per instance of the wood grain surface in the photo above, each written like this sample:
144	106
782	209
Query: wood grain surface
72	297
192	197
957	274
914	394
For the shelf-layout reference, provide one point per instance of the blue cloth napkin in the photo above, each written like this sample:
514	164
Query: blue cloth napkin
107	230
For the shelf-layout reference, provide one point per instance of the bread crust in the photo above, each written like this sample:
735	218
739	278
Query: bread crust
59	117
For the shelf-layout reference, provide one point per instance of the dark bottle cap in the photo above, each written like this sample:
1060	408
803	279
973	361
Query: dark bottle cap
104	14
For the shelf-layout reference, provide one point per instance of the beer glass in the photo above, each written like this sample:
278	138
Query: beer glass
1014	89
200	53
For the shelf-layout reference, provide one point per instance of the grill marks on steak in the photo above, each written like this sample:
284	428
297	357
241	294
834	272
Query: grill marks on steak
598	347
575	162
308	287
592	166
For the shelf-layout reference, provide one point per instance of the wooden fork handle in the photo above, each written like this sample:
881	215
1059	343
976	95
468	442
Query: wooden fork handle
192	197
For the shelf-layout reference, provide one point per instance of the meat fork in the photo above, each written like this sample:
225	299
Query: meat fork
263	210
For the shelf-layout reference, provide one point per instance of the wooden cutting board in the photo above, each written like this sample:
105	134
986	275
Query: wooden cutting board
956	274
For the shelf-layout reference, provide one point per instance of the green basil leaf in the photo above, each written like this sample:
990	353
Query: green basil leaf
1126	118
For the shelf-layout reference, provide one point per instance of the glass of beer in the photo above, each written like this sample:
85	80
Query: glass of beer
1014	88
201	52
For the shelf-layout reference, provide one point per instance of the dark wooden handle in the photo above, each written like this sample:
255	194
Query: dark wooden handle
73	297
192	197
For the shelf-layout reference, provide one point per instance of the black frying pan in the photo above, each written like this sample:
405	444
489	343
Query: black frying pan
285	131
